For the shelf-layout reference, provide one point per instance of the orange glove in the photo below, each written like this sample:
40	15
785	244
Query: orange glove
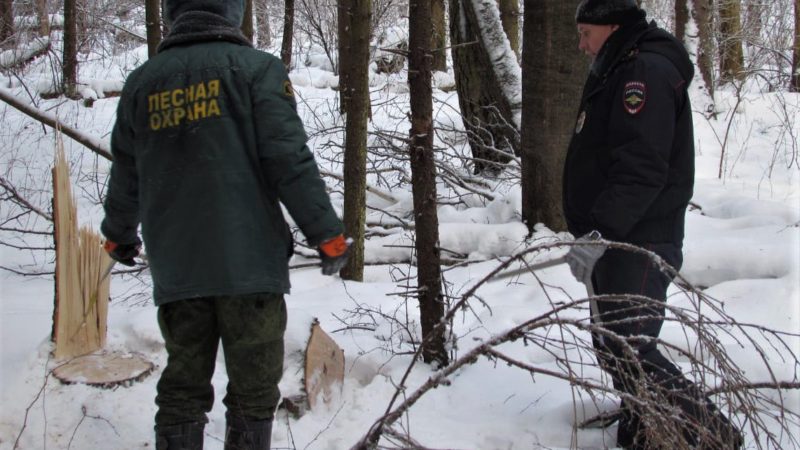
333	253
124	253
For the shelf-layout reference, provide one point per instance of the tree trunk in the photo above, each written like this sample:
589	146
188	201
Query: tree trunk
152	12
553	75
423	183
731	56
796	57
355	151
288	31
486	112
681	19
247	21
6	22
70	54
705	45
43	17
439	36
262	24
343	20
509	15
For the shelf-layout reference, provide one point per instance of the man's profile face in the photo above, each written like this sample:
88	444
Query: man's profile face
592	37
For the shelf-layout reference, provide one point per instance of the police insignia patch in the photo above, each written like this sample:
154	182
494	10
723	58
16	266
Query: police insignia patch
633	96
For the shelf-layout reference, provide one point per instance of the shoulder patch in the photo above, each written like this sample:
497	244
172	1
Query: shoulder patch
634	96
287	89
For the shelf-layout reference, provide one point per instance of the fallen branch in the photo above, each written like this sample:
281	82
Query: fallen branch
92	143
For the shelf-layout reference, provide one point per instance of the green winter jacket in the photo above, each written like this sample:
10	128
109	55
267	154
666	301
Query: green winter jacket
207	142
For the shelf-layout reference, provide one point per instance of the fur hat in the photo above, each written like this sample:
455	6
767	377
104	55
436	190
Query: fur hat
608	12
232	10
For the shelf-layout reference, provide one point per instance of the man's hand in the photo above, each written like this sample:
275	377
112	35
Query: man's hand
582	256
123	253
333	253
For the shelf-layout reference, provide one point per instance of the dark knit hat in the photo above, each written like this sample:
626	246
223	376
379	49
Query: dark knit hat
608	12
232	10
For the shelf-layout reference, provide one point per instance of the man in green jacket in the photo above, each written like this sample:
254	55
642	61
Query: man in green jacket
206	144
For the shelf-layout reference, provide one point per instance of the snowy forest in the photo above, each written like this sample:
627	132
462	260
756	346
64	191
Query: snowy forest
440	129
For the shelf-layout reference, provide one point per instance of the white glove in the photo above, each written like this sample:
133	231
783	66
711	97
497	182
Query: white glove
583	255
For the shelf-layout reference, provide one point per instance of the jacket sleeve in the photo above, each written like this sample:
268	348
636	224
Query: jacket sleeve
288	164
640	143
122	198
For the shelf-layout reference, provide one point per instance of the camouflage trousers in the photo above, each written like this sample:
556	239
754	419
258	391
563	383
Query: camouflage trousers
251	329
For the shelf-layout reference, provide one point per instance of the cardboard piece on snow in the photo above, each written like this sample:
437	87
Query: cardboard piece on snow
324	368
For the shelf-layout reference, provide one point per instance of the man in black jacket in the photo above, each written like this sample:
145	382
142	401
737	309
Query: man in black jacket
629	174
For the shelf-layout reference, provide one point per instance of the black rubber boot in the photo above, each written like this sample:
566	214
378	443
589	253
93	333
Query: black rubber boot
246	434
184	436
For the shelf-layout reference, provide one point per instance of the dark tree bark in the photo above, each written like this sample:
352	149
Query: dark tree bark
6	22
681	19
487	114
152	12
247	22
343	20
731	55
439	36
796	53
553	72
423	182
69	60
355	151
509	15
288	31
705	45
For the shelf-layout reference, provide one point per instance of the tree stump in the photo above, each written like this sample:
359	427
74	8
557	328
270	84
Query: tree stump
105	370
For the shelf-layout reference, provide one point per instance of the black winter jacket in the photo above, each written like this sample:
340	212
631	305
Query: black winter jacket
629	170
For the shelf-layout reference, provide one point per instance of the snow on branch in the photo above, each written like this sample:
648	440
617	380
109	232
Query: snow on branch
92	143
504	60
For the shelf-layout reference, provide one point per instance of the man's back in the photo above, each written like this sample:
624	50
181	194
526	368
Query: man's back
212	130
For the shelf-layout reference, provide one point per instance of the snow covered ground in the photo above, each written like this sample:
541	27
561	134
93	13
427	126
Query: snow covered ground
742	247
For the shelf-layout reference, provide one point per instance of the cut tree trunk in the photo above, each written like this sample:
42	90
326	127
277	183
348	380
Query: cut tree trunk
82	268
